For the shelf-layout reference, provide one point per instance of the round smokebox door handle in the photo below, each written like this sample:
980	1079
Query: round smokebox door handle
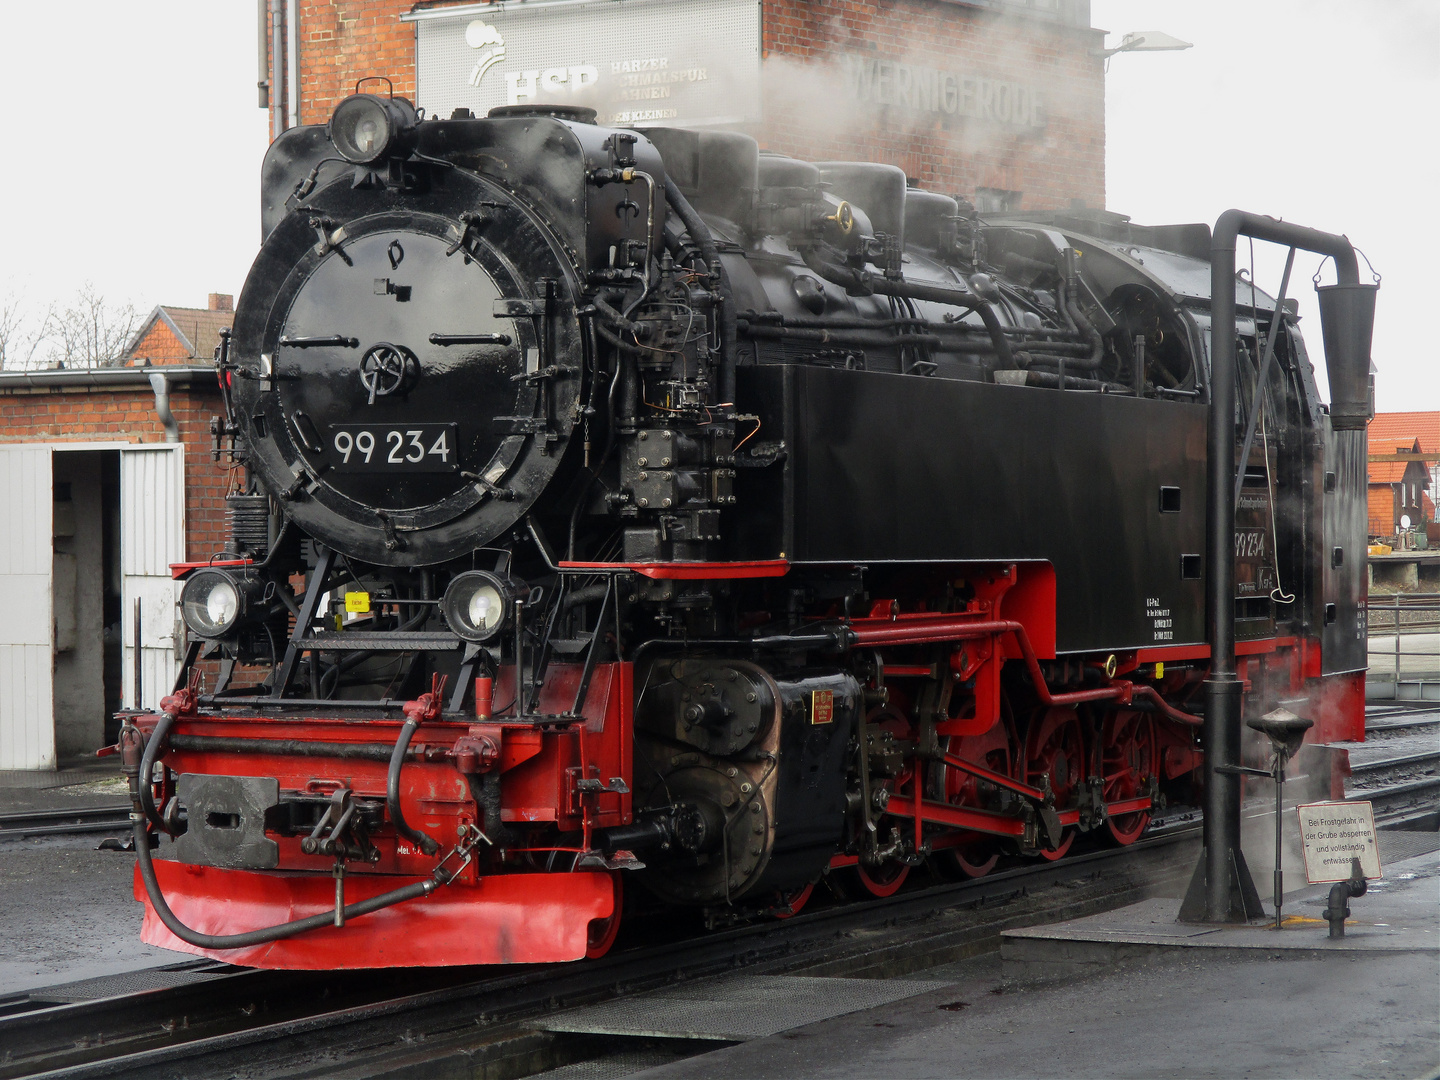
383	369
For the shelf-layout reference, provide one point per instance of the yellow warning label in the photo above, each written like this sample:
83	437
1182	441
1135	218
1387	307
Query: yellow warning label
1159	669
357	602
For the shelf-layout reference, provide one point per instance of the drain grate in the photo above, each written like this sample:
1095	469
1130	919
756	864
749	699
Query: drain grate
612	1067
129	982
1397	844
735	1008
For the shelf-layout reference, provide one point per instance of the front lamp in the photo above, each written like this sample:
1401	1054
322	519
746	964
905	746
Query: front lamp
367	127
214	602
478	605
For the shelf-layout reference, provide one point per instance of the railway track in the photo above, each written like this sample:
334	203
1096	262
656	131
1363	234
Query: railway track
253	1023
244	1022
1397	768
18	824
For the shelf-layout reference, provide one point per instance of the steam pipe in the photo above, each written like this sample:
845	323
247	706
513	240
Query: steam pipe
1222	688
277	70
1078	317
944	337
942	630
1046	336
263	82
700	233
292	67
864	282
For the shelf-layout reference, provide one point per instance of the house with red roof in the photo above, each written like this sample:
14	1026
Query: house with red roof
181	335
1403	488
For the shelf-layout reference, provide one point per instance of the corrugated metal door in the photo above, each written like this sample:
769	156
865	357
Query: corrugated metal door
152	536
27	658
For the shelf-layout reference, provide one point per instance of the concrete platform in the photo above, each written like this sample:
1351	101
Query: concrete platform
1173	1008
1398	914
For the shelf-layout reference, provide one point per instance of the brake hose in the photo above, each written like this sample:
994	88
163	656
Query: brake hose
252	937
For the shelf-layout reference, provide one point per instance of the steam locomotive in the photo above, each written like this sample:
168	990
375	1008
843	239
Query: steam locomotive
639	512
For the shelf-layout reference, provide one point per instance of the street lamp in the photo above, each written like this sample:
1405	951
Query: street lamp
1145	41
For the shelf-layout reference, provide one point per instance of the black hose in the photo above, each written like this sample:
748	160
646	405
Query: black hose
620	343
612	313
145	793
700	233
425	843
269	933
584	595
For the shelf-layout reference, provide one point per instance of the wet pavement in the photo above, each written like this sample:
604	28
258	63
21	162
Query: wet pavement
66	909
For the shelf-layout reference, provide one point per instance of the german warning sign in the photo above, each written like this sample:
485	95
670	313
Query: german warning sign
1334	833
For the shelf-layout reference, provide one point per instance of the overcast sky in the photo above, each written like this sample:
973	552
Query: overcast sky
135	140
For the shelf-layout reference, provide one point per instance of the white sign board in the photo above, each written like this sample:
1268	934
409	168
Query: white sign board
1335	833
635	62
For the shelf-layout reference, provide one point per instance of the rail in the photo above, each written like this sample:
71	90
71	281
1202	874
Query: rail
275	1022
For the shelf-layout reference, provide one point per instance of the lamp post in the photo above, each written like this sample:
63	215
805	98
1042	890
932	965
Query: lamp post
1144	41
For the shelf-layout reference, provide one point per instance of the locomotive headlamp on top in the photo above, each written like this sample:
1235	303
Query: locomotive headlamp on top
368	127
478	605
215	602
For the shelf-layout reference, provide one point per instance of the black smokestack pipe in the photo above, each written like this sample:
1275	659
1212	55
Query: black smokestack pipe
1228	889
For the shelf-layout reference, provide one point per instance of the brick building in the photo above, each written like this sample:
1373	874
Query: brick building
180	335
1403	488
107	478
997	101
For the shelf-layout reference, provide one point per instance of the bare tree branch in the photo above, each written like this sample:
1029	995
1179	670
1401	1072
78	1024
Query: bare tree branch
18	338
88	332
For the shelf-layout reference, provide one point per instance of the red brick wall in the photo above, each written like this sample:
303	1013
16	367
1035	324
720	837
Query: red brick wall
808	112
161	346
341	42
125	415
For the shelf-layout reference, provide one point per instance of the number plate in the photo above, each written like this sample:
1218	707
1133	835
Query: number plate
381	448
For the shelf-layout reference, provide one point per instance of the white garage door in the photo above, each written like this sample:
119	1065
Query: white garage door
152	536
27	712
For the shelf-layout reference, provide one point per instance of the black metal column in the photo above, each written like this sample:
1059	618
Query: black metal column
1229	894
